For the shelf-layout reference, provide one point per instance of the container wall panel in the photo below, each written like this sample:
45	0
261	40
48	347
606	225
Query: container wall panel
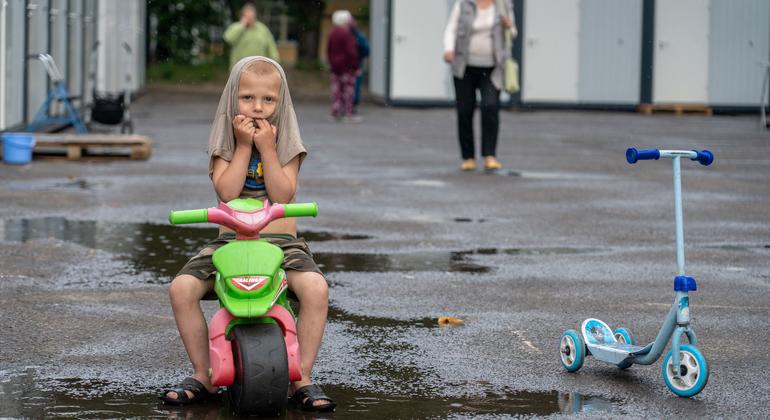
75	68
417	68
58	44
14	25
550	51
681	63
610	51
37	43
119	25
378	30
739	41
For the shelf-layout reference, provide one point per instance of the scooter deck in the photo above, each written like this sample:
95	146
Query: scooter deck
602	344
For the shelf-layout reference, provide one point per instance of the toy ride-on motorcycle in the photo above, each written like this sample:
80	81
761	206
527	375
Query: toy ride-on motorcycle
685	370
253	337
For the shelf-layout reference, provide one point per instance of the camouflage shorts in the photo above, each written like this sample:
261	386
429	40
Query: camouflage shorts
296	255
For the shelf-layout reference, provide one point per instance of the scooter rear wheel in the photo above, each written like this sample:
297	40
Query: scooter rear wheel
261	370
624	336
572	350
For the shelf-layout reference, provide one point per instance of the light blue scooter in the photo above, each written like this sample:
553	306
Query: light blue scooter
685	370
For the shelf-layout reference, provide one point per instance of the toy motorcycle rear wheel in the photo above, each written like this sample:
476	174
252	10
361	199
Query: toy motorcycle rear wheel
261	370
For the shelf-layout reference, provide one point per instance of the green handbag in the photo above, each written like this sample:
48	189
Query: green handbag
511	76
511	66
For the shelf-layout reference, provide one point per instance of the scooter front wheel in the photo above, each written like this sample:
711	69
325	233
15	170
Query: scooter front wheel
261	370
693	371
572	350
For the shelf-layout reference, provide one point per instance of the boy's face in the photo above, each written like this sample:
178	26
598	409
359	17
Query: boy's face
258	94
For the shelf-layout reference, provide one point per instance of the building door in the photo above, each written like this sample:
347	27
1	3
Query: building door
550	51
681	56
418	71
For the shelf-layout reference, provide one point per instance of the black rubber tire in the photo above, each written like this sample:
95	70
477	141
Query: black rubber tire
261	370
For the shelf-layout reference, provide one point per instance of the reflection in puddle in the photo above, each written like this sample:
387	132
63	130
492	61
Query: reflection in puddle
532	251
23	394
338	315
163	249
414	261
469	220
740	247
72	183
158	249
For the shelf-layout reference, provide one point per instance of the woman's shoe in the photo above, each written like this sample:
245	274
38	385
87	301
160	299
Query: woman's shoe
492	164
468	165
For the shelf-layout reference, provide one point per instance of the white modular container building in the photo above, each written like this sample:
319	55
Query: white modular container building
588	53
710	51
68	30
406	63
581	52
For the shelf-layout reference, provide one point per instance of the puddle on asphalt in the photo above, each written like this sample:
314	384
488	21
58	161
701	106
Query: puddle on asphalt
72	183
447	261
532	251
25	395
338	315
469	220
158	249
556	176
739	247
163	249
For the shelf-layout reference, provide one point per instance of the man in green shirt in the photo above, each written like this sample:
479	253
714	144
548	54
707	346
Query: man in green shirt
249	37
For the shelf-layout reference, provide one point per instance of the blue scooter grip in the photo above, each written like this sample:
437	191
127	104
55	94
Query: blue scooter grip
633	155
705	157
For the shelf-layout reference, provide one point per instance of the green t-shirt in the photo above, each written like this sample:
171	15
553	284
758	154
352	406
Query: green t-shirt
254	40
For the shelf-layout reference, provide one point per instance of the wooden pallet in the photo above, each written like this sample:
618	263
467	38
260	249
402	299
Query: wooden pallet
85	146
678	109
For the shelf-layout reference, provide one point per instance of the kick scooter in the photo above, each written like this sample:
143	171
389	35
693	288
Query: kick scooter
253	347
685	370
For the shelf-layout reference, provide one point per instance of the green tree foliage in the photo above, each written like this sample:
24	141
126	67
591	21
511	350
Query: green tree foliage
184	28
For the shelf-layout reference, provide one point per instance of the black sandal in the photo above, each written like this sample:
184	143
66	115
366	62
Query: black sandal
198	390
308	394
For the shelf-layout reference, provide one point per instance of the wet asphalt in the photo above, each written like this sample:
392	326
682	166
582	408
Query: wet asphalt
568	230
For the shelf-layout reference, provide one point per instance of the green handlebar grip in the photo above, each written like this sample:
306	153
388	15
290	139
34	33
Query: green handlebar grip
301	210
188	216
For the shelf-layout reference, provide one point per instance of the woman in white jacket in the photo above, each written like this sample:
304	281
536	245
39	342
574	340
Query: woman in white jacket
474	47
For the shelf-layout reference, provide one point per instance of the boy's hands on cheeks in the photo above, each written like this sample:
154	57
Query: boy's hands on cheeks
264	137
244	130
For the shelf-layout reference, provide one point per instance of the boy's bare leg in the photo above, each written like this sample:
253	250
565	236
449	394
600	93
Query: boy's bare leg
185	293
313	294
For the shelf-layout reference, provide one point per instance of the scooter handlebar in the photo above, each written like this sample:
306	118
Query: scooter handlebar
704	157
181	217
633	155
300	210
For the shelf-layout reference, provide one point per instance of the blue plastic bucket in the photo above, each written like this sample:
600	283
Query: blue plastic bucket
17	148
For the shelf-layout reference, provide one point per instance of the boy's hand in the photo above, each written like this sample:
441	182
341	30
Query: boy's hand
264	137
244	130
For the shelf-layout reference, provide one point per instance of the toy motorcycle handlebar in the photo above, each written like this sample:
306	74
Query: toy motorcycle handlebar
181	217
246	222
704	157
300	210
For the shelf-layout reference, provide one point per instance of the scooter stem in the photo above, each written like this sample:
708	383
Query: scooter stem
678	216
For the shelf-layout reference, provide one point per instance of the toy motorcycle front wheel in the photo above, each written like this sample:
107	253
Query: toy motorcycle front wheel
261	370
693	371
